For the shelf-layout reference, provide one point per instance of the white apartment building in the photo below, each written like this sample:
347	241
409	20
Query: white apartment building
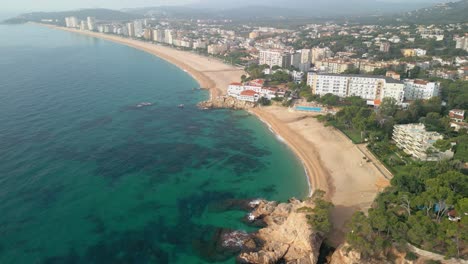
91	21
322	84
414	140
131	30
83	25
71	22
274	57
462	43
158	35
367	87
168	36
138	26
420	89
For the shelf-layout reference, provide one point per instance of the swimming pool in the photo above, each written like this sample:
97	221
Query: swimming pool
308	109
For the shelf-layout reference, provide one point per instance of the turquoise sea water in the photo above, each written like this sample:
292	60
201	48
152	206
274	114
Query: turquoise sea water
88	177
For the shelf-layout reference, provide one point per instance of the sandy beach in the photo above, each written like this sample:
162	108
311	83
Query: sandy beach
333	163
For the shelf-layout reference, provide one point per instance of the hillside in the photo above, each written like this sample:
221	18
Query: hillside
277	9
99	14
452	12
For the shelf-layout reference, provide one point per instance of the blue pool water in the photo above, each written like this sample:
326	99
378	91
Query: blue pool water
308	109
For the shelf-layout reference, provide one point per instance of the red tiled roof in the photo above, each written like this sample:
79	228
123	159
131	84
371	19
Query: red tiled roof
236	83
420	82
248	93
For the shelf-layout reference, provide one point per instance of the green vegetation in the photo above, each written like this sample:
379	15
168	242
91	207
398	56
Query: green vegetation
411	256
264	101
414	209
319	218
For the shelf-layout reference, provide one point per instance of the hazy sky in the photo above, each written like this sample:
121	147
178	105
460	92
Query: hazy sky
46	5
55	5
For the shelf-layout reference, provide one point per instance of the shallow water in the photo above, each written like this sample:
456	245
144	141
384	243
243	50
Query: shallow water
86	176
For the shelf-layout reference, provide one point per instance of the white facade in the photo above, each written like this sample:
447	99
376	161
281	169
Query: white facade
168	36
131	29
91	21
71	22
414	140
462	43
323	84
366	87
419	89
273	58
158	35
236	90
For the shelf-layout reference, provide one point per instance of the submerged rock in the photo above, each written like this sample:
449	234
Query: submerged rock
287	237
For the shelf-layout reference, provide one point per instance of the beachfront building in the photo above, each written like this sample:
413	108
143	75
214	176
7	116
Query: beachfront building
249	96
131	29
369	87
148	34
91	21
158	35
236	89
83	25
420	89
71	22
169	36
414	140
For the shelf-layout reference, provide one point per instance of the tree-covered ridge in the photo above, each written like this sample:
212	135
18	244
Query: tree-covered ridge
416	209
82	14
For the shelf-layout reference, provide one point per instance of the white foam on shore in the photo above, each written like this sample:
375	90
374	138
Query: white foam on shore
281	139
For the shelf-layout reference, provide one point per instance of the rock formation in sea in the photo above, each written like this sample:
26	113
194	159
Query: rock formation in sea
287	237
226	102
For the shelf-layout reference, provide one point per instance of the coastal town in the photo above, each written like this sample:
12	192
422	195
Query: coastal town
376	112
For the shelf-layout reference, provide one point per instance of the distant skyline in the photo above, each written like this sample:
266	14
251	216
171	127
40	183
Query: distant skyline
61	5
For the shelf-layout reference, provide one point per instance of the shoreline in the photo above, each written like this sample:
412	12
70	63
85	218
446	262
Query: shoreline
316	174
331	161
206	83
203	80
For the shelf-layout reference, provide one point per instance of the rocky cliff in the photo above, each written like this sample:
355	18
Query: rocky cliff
286	237
226	102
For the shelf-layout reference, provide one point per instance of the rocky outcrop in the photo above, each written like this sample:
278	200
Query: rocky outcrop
345	254
287	237
226	102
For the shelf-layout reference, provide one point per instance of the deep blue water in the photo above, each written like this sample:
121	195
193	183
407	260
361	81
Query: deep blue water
88	177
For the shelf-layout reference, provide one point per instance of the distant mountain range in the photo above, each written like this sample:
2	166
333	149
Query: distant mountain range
100	14
281	8
362	11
